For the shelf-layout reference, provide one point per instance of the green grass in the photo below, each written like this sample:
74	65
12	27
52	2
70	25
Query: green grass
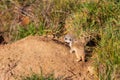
29	30
38	77
101	18
108	54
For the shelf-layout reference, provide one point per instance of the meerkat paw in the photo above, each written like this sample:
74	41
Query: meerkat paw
71	51
78	60
83	59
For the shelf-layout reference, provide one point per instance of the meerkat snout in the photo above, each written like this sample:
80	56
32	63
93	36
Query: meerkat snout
68	39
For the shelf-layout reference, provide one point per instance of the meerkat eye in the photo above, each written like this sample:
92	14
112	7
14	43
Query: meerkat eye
70	39
65	38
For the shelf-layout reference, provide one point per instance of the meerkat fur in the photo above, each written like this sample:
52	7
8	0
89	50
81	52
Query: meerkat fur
76	46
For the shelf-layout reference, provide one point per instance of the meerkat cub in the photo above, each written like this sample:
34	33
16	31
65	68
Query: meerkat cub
76	46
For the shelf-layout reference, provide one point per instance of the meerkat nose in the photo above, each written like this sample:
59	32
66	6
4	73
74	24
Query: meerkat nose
67	43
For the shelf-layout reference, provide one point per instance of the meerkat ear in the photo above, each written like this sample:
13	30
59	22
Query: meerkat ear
75	40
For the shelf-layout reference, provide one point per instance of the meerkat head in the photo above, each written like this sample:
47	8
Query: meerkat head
69	39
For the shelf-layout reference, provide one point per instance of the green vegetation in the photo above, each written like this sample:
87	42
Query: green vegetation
108	54
38	77
30	30
102	17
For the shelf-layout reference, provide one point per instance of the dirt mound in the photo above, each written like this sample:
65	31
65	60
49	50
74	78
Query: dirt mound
35	53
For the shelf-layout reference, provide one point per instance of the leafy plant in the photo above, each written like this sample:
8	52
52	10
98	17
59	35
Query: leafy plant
39	77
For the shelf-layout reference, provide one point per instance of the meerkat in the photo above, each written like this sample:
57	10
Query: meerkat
76	46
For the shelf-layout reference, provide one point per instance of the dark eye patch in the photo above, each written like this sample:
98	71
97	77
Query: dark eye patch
65	38
70	39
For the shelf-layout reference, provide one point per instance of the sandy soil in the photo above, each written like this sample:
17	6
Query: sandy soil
35	53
